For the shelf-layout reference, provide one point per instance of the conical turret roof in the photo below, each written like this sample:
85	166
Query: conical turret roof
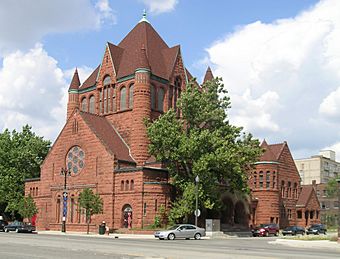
75	83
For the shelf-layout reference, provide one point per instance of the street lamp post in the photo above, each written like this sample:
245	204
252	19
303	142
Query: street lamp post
338	192
197	179
64	172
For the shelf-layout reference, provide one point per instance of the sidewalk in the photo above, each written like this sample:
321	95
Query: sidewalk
307	243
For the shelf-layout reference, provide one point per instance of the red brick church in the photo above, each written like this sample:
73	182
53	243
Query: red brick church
104	146
104	142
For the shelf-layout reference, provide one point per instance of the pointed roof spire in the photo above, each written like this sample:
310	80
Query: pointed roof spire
208	75
144	17
75	83
143	61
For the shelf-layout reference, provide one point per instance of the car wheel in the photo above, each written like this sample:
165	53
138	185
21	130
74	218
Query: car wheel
276	233
17	230
266	234
197	236
171	236
6	230
317	233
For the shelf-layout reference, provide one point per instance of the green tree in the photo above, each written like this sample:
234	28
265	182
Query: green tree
202	142
21	154
27	208
332	188
91	203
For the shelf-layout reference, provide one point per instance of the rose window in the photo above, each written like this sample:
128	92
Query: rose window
75	159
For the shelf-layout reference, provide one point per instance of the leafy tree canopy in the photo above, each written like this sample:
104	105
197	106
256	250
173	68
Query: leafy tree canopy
332	188
21	154
91	203
27	208
202	142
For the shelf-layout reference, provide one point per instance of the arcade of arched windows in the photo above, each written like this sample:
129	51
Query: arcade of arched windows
127	185
266	180
34	191
74	213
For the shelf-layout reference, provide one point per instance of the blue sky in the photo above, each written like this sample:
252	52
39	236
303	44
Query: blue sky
280	60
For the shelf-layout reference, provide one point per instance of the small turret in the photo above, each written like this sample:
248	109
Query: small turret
208	75
141	109
73	95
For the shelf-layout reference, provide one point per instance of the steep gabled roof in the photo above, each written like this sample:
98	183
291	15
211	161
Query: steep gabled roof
108	135
75	83
306	192
142	34
170	56
208	75
271	152
91	80
116	55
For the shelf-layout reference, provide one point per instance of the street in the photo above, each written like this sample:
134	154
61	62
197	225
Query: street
14	245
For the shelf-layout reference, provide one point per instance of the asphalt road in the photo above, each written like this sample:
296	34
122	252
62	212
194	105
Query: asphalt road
14	245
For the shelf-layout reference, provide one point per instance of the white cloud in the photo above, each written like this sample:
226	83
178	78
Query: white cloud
25	22
106	12
160	6
33	90
283	77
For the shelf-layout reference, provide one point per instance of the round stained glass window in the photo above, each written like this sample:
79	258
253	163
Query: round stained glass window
75	159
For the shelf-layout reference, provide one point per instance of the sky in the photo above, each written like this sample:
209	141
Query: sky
279	60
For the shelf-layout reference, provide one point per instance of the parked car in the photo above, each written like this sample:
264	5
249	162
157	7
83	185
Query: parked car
316	229
2	225
293	230
186	231
265	230
19	226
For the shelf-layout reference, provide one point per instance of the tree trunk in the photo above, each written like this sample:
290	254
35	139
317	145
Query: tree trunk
88	225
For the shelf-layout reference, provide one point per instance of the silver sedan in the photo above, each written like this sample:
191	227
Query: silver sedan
186	231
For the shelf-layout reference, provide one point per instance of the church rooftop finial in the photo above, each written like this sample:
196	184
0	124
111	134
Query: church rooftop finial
144	17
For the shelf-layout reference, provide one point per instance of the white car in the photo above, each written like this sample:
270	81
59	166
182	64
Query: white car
186	231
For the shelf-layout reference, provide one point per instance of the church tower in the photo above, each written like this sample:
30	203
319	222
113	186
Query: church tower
73	94
141	108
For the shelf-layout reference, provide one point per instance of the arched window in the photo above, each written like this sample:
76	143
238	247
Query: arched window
122	185
107	80
153	99
160	99
84	104
114	106
131	96
127	185
132	185
92	103
36	191
101	101
123	98
58	209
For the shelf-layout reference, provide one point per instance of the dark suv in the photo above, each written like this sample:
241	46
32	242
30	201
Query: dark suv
2	225
265	230
316	229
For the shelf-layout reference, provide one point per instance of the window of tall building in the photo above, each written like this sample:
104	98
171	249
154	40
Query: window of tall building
92	104
84	104
160	99
131	96
123	98
101	101
153	97
107	80
261	179
267	179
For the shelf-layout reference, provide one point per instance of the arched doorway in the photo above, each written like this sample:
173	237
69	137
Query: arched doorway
227	214
240	215
127	216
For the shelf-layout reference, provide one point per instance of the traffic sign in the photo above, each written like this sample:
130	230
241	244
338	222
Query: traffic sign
197	212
